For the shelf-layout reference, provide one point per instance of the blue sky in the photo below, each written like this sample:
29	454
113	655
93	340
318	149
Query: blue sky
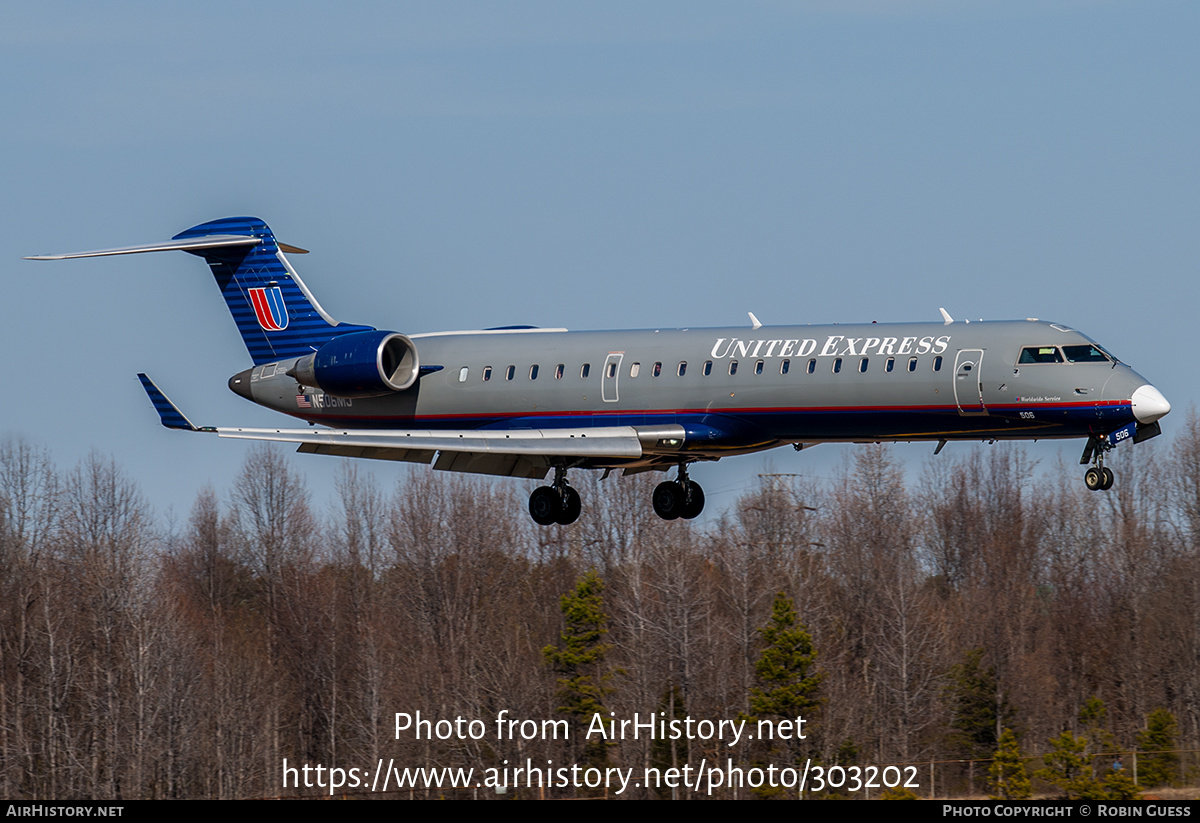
458	165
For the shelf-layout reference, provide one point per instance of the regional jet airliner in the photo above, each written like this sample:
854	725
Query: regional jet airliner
527	402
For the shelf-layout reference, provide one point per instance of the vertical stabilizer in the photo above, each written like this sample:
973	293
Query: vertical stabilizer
276	314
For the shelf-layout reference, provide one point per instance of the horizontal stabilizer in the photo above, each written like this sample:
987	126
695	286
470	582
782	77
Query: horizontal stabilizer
212	241
275	313
168	412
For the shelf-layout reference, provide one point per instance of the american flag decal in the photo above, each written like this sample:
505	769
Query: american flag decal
302	402
269	308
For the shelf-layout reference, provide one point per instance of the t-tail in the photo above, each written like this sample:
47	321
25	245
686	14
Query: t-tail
276	314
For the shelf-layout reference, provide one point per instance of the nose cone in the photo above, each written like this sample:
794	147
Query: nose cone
1149	404
239	384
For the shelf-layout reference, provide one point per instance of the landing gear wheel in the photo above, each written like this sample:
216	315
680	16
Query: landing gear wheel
1107	482
669	500
1099	477
570	506
544	506
695	501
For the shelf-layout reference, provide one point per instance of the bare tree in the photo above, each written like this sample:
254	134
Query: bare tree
29	492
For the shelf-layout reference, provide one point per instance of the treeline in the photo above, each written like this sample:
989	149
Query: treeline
976	595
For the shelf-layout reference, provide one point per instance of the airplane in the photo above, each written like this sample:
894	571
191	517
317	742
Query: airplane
521	401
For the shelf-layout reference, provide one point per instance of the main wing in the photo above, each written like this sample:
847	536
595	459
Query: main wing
508	452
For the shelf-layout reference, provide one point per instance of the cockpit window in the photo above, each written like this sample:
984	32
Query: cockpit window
1084	354
1040	354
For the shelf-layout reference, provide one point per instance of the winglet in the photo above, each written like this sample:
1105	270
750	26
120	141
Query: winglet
754	322
170	415
946	317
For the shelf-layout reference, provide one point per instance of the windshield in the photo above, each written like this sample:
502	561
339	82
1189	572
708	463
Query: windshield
1085	354
1040	354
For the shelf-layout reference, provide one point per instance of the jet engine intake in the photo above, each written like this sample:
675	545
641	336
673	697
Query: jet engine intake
360	364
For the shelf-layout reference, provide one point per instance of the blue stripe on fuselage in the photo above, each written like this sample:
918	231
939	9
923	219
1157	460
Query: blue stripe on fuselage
832	423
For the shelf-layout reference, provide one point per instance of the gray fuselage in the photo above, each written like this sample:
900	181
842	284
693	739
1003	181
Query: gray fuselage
741	389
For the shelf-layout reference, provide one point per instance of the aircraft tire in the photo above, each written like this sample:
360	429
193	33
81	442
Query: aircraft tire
1093	479
544	506
695	501
1107	482
669	500
570	507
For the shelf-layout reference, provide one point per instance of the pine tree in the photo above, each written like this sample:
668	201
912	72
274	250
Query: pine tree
1119	786
1159	736
787	667
1068	767
788	681
1093	717
1009	779
582	684
980	708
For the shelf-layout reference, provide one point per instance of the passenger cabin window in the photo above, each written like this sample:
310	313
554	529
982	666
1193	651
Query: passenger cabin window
635	369
837	365
1084	354
658	369
558	371
784	366
462	374
612	370
891	364
487	373
585	371
510	372
937	363
758	367
533	370
862	366
682	368
812	366
707	368
732	367
912	364
1040	354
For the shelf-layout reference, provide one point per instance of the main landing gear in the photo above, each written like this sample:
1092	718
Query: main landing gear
558	503
1099	477
679	498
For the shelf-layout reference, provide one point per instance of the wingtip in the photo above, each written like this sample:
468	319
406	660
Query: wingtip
168	413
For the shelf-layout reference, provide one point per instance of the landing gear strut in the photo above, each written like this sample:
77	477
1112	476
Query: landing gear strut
558	503
679	498
1099	477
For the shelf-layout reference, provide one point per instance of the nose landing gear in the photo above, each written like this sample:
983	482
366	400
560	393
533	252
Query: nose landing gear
679	498
558	503
1099	477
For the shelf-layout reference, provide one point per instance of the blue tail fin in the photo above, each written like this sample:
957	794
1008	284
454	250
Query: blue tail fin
275	312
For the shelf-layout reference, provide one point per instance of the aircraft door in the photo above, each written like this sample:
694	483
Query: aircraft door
968	381
610	376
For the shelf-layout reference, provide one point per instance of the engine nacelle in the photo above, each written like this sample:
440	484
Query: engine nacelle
360	364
